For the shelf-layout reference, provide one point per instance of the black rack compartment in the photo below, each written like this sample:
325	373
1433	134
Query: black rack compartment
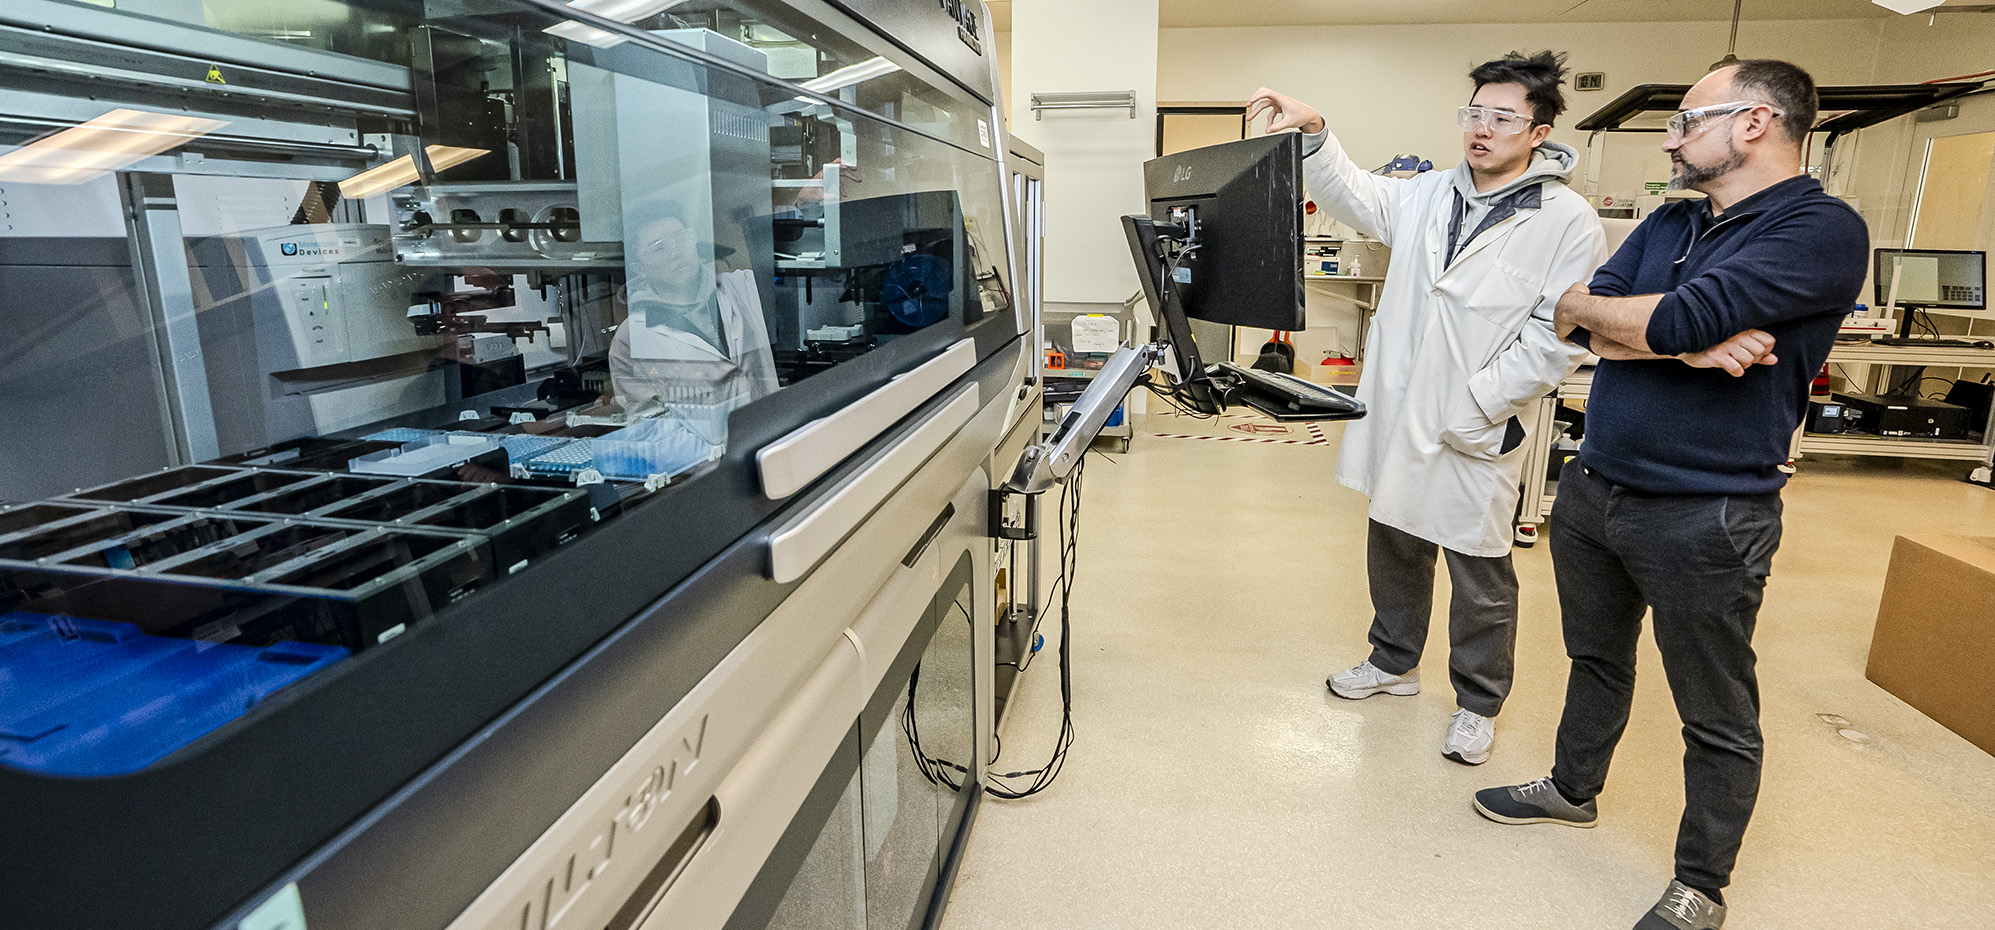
230	577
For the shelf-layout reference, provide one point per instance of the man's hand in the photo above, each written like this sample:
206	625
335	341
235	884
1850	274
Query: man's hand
1735	355
1284	112
1562	322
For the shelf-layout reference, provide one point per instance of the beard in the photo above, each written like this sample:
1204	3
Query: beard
1690	175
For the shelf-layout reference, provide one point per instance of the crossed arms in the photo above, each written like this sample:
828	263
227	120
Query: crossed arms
1617	328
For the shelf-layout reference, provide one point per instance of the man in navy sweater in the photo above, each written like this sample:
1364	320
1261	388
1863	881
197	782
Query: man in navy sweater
1711	321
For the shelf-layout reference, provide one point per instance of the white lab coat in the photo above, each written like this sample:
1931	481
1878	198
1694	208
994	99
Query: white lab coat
680	367
1454	351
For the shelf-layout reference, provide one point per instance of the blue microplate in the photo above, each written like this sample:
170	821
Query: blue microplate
662	448
521	446
402	434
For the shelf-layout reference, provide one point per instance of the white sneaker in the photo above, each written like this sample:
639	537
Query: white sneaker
1469	738
1366	680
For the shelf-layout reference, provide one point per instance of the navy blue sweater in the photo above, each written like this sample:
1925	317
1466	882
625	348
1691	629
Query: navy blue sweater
1789	260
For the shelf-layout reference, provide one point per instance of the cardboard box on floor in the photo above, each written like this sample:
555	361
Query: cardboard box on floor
1934	646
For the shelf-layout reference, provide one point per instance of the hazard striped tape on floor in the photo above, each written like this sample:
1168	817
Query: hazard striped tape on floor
1316	437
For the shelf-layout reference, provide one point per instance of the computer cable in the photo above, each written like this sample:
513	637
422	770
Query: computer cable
944	772
1904	385
1171	395
1925	321
1938	396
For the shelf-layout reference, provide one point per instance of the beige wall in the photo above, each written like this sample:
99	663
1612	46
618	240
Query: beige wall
1094	158
1002	41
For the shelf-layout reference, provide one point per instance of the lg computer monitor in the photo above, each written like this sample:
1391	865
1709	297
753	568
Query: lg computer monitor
1246	198
1932	278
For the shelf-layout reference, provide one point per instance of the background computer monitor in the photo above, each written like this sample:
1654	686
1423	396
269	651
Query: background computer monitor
1247	196
1933	278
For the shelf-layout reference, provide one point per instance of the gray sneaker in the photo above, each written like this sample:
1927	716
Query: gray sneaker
1683	908
1534	802
1367	679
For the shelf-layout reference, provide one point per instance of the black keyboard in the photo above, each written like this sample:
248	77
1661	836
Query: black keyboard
1286	397
1913	341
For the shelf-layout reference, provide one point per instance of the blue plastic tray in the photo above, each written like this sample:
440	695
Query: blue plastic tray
85	697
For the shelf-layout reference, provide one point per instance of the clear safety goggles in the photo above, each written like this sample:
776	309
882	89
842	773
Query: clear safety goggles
671	241
1501	122
1687	123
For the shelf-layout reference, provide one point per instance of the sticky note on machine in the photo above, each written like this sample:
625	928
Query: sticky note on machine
1094	332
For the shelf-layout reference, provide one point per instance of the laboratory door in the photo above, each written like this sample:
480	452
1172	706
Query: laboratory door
1955	195
1182	126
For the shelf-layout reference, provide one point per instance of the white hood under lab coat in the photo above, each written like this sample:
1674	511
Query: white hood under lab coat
653	359
1456	349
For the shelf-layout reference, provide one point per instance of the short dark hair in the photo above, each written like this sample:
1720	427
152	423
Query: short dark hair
1783	85
1539	74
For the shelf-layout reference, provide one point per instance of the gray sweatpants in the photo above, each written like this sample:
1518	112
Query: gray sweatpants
1482	618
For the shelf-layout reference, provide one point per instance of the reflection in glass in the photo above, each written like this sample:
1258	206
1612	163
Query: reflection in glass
691	336
402	172
118	139
623	11
901	812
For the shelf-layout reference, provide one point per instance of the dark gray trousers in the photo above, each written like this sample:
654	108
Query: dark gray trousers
1482	617
1700	564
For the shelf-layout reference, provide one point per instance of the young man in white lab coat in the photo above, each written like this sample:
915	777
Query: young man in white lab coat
1461	347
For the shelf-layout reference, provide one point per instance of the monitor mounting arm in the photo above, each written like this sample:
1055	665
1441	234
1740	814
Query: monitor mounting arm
1049	462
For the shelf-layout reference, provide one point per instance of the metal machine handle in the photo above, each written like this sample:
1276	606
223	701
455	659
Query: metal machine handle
791	463
803	542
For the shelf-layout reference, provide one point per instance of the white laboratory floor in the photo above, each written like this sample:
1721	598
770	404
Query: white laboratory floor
1215	783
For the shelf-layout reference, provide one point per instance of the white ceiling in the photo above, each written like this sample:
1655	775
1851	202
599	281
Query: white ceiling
1185	13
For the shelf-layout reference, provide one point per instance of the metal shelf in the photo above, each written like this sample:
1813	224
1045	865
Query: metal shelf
1913	355
1857	444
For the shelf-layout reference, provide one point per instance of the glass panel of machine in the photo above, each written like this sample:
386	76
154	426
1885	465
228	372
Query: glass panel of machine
829	890
288	408
914	770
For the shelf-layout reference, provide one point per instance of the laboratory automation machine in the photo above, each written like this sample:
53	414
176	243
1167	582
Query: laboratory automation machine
501	464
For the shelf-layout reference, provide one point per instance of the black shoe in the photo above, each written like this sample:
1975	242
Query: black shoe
1534	802
1683	908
